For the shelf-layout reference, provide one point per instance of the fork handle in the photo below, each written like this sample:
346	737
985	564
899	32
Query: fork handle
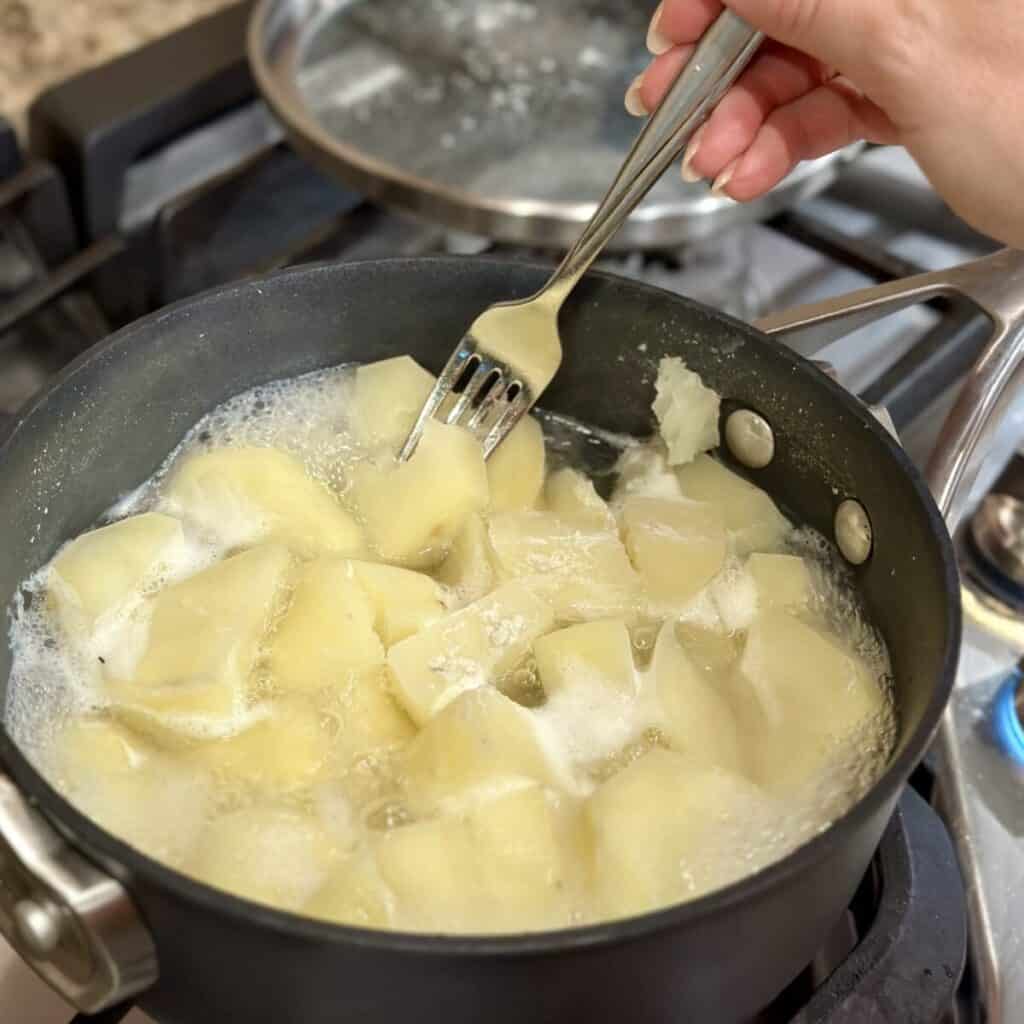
724	51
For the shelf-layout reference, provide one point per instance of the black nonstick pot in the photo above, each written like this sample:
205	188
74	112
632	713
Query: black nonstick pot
102	922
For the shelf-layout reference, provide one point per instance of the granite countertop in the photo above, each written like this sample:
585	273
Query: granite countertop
45	41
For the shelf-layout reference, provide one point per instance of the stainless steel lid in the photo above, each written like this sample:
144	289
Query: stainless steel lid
502	118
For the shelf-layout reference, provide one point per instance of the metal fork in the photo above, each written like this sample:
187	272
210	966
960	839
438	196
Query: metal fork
512	351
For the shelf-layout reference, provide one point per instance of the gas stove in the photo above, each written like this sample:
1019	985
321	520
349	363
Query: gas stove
161	174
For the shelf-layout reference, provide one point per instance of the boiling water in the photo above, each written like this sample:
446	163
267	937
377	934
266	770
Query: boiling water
594	731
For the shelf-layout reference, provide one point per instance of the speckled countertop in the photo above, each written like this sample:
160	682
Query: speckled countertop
44	41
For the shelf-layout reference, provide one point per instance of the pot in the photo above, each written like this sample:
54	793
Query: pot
102	922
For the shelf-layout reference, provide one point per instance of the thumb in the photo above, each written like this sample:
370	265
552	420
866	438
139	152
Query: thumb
840	33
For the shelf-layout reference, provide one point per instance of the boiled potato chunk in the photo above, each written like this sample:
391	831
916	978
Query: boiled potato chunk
511	863
469	568
387	399
783	582
284	750
698	719
513	617
327	632
712	651
431	866
530	854
101	569
678	547
142	796
643	472
204	636
354	894
686	410
573	498
264	853
467	649
800	695
86	748
367	717
243	496
515	471
480	738
590	652
404	601
750	516
659	829
583	574
414	510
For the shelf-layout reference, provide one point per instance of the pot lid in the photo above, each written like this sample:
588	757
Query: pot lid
502	118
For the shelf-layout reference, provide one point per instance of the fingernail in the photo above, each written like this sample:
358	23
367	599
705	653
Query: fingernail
657	42
634	101
721	183
689	174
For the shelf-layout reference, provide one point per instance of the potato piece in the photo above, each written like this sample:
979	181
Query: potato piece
582	574
432	668
203	640
678	547
264	853
414	510
590	652
469	570
285	749
530	854
733	593
515	472
327	632
713	652
513	617
479	738
432	868
643	472
368	717
354	894
468	649
573	498
404	602
687	412
387	399
800	696
783	582
243	496
698	719
103	568
145	798
658	829
747	512
85	748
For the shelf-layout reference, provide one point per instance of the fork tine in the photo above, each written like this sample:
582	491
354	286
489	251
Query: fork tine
477	422
476	385
445	382
512	414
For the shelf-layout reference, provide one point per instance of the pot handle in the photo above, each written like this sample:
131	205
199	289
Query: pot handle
73	924
995	284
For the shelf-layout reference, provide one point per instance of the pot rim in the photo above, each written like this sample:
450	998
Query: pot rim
127	863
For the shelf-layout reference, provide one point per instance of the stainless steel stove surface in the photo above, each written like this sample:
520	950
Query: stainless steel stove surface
159	175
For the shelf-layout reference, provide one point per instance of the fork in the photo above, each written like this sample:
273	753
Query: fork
512	351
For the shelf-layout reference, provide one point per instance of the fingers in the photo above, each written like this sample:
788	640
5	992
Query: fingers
678	22
840	33
822	121
776	77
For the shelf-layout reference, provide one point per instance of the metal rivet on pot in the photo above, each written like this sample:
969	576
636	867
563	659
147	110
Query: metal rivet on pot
854	534
39	926
750	439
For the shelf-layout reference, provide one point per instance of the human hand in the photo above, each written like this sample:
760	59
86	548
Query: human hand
940	77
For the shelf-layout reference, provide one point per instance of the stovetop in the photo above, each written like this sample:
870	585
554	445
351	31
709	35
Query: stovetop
161	174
